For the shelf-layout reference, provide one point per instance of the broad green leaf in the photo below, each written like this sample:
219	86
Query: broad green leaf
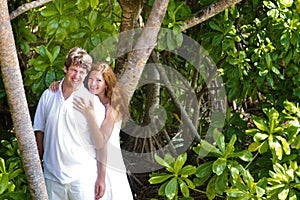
82	4
235	192
251	132
286	3
254	146
260	137
244	155
268	59
204	170
162	188
204	145
2	165
221	182
273	117
219	166
187	170
264	147
220	139
210	189
279	169
230	146
94	3
171	189
3	182
179	162
260	124
285	145
260	191
283	194
214	26
15	173
184	188
49	11
161	161
159	178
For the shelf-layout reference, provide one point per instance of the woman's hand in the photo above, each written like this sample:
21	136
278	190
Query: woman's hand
54	86
81	106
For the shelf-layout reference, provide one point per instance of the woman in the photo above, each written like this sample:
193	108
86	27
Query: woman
102	82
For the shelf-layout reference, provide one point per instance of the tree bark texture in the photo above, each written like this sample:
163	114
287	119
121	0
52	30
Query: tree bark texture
209	12
131	10
143	48
27	6
13	83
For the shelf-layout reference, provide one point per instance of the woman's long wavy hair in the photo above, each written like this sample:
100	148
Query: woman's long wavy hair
118	98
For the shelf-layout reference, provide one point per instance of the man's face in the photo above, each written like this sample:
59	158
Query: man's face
75	76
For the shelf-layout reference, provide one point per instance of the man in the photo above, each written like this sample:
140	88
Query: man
63	136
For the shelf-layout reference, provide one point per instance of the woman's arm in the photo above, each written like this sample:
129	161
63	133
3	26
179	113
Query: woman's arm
101	165
54	86
100	135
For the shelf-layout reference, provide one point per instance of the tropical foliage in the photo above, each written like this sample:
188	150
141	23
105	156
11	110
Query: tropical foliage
255	46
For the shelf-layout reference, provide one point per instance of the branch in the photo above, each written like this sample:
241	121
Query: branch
209	12
27	6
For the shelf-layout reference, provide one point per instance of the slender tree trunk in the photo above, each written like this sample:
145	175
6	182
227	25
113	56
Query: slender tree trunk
143	48
18	106
131	10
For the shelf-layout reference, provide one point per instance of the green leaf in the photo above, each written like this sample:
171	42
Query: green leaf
214	26
162	188
244	155
82	4
2	165
94	3
285	145
235	192
179	162
221	182
171	189
219	166
206	147
260	124
260	136
55	52
230	146
187	170
49	11
161	161
283	194
184	188
268	59
254	146
159	178
204	170
210	189
3	182
217	39
220	139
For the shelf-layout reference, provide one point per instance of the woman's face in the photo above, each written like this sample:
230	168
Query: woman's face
96	83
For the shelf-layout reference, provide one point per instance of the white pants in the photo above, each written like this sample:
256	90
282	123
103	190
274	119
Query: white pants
77	190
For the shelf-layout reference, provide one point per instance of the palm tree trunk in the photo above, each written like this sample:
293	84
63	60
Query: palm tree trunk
18	106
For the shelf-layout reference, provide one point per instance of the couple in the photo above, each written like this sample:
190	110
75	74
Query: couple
77	134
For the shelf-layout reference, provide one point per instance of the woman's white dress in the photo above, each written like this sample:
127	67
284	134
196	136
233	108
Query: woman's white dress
117	185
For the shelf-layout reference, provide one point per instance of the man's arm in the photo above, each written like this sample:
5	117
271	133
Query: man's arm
39	137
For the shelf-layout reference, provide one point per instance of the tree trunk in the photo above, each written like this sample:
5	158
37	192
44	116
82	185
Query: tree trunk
18	106
143	48
131	10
